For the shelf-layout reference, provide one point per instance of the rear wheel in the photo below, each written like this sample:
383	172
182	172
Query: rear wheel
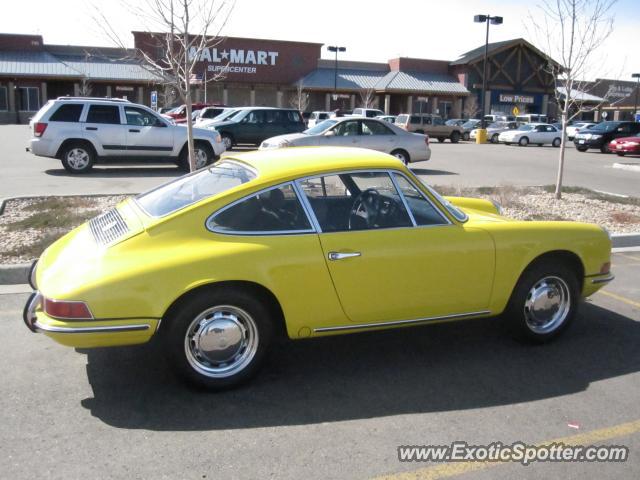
401	155
441	139
582	149
77	157
523	142
605	148
544	302
494	138
218	339
465	136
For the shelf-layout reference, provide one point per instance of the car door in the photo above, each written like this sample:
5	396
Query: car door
538	134
377	136
103	126
147	135
251	128
391	264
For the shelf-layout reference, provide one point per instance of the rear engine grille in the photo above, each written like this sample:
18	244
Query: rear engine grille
108	227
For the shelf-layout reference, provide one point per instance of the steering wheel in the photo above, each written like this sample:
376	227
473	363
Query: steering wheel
365	209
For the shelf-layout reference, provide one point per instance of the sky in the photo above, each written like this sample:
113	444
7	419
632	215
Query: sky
371	30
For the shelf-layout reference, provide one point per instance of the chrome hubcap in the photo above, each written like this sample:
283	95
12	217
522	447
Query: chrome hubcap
227	142
401	157
201	158
547	305
78	158
221	341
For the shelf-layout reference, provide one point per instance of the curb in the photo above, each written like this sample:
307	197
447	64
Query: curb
3	201
18	273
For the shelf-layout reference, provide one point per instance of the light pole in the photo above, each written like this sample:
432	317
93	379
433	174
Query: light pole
635	103
495	21
336	49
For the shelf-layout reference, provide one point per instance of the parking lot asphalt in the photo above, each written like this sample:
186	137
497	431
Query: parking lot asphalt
464	163
331	408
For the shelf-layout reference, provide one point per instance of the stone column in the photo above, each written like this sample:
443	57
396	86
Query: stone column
352	102
434	105
141	95
252	97
487	102
11	97
279	95
545	104
76	89
198	98
457	108
410	104
108	90
387	104
225	95
327	102
596	116
616	116
43	93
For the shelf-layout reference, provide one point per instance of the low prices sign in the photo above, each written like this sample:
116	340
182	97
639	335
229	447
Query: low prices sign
514	98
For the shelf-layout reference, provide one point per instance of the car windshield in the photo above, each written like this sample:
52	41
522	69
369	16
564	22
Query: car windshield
453	210
192	188
497	125
526	128
604	127
320	127
238	115
470	124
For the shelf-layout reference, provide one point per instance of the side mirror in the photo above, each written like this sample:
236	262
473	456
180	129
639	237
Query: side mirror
330	133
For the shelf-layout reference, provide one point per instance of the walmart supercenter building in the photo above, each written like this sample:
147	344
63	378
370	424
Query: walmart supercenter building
267	72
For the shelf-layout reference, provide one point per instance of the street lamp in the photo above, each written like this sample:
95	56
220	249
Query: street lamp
336	49
495	21
635	103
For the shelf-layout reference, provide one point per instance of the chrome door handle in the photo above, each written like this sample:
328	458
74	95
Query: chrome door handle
342	255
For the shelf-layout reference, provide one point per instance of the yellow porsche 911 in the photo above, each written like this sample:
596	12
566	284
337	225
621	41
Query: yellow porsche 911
303	242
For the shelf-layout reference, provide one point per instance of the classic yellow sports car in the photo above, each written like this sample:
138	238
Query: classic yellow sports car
303	242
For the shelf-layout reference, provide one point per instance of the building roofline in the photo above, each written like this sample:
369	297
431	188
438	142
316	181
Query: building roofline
227	37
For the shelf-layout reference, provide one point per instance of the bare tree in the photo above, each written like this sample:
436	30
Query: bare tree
167	95
299	98
471	107
85	87
183	31
367	97
572	31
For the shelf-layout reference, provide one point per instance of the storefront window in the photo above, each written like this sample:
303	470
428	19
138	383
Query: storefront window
4	103
29	99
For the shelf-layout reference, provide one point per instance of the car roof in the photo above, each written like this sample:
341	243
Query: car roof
282	164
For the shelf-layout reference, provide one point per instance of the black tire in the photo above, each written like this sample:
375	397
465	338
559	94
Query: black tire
494	138
181	340
582	149
228	140
520	322
605	148
556	142
455	137
620	154
204	156
402	156
465	136
523	142
77	157
441	139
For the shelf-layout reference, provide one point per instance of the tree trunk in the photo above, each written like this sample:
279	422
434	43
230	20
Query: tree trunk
565	116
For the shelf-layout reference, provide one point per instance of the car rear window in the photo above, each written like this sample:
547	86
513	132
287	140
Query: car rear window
67	112
187	190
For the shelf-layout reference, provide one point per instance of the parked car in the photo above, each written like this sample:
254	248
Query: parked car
469	125
209	113
626	145
576	127
81	131
225	115
387	118
180	112
600	135
456	122
500	117
429	124
317	117
531	118
253	125
536	133
366	112
494	130
303	243
353	132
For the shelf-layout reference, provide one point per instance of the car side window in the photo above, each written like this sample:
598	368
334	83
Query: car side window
140	117
424	213
375	128
347	129
294	117
68	112
438	121
356	201
427	120
104	114
274	210
254	117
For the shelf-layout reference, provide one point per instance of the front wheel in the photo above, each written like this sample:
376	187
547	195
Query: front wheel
494	138
441	139
605	148
544	302
203	155
465	136
556	142
227	140
582	149
218	339
523	142
620	154
455	137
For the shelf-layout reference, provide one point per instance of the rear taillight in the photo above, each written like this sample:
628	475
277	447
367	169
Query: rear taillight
67	309
39	128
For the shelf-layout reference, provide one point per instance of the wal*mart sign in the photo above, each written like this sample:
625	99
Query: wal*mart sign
511	98
235	56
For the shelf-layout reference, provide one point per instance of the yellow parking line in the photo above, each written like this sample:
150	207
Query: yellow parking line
447	470
621	298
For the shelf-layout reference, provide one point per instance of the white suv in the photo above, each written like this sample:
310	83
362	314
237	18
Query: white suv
80	131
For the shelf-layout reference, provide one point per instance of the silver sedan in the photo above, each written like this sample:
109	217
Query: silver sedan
359	132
